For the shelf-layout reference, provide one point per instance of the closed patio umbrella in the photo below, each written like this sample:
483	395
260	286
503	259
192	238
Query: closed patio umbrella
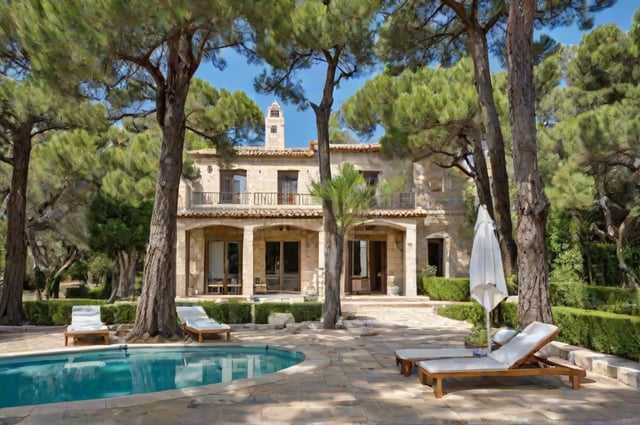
486	275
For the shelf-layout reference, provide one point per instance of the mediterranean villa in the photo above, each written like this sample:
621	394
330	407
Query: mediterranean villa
253	227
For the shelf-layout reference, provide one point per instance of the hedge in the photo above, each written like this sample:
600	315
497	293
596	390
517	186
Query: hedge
301	311
445	288
232	312
604	332
604	298
58	312
54	312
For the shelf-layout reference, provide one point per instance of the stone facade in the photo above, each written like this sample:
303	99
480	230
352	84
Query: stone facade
253	227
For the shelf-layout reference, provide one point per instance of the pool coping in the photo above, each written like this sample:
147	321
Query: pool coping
313	361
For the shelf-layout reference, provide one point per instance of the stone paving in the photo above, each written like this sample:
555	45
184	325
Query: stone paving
348	378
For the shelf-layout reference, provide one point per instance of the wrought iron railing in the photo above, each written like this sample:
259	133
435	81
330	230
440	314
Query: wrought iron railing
406	200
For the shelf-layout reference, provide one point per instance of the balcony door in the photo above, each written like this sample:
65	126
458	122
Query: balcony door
287	187
282	266
232	185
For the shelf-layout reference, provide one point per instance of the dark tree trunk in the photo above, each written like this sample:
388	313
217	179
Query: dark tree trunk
532	205
481	178
332	242
617	236
495	141
156	312
54	272
11	312
126	273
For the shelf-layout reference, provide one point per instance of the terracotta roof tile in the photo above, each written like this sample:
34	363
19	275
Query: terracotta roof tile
290	213
256	151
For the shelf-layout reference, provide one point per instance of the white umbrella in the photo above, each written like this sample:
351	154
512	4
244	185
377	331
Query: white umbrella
486	274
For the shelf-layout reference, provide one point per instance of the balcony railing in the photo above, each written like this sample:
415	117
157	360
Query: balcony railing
406	200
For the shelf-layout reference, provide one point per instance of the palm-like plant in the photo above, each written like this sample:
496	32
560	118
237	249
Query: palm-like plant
349	194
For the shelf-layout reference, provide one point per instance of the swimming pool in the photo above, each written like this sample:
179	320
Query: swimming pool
125	370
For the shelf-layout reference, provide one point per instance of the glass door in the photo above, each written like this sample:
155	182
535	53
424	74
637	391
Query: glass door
224	268
282	266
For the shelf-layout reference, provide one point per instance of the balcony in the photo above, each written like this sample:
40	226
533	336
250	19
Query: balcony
218	200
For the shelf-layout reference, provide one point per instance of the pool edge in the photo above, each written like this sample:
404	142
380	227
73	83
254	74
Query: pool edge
313	360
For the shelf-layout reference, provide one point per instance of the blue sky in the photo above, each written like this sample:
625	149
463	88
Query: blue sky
300	125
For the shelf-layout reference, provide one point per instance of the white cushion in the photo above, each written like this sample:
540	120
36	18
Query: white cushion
502	336
433	353
462	365
85	318
206	324
524	343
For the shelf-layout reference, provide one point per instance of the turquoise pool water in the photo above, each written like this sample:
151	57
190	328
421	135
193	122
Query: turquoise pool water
122	370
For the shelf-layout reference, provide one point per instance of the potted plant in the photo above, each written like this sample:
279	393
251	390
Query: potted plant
477	338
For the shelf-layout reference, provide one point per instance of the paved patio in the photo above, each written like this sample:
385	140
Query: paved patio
347	378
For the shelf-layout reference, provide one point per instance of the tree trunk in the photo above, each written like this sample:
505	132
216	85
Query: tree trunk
156	311
115	276
481	178
617	236
126	273
532	205
332	244
52	288
11	312
495	141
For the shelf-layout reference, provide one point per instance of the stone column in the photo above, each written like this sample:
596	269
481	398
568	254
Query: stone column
182	261
196	272
320	275
247	261
410	286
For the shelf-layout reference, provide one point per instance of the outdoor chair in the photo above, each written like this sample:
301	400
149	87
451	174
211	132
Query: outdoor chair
407	358
195	320
519	357
85	321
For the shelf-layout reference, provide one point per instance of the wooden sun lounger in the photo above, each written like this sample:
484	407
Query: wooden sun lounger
201	332
194	320
104	333
517	358
543	367
85	321
408	358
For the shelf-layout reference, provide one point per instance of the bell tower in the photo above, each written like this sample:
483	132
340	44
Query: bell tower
274	127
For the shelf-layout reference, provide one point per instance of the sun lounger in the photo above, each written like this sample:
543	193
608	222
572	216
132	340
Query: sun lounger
407	358
85	321
519	357
195	320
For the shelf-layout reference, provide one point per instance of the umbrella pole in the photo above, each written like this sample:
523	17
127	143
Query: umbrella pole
488	331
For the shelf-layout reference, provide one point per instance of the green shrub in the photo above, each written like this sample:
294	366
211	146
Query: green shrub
77	292
52	312
301	311
569	293
504	315
306	312
263	310
446	289
118	313
512	284
600	331
233	312
84	291
603	332
99	293
604	298
37	313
